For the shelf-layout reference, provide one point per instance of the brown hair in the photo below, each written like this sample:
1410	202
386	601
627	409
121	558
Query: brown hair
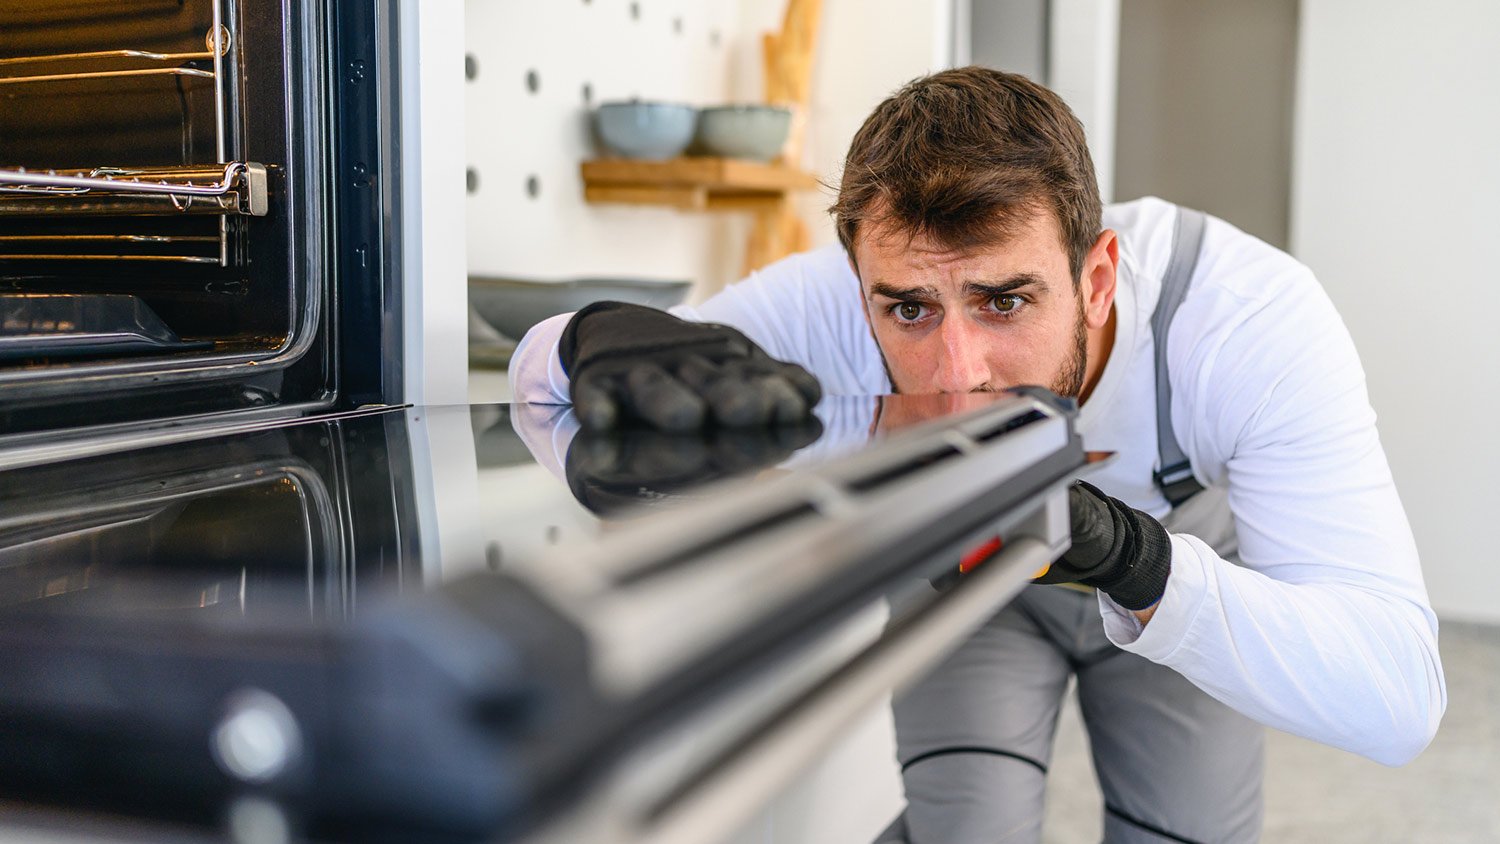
964	156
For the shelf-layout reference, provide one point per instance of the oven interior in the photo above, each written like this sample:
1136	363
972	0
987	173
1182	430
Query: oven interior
164	211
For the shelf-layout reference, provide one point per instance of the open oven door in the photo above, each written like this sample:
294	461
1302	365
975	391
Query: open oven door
262	619
197	215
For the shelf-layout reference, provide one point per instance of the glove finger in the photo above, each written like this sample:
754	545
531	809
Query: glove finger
699	373
795	435
739	404
1092	527
739	450
737	399
788	407
661	401
661	460
595	455
596	402
723	387
803	381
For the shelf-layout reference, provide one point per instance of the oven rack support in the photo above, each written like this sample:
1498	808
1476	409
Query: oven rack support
238	189
223	189
129	61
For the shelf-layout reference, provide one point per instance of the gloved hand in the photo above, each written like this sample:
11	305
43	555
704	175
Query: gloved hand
613	471
1116	549
633	363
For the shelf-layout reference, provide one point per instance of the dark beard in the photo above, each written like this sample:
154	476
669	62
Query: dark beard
1069	382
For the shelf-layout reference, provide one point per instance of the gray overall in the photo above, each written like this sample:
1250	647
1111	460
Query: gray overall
975	737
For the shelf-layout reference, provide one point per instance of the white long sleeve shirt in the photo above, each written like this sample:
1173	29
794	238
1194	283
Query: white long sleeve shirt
1295	594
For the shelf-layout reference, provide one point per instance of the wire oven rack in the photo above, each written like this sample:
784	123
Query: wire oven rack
224	189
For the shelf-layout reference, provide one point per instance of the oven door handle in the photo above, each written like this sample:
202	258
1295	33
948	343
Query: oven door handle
730	789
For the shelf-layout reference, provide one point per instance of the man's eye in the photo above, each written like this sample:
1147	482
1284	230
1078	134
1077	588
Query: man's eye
909	311
1006	303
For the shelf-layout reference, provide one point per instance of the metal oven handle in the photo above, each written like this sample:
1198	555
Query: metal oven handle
733	787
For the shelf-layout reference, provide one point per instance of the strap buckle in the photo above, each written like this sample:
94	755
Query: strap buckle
1177	483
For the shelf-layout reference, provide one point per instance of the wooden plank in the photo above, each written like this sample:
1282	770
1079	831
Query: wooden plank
753	174
684	198
729	173
676	171
756	202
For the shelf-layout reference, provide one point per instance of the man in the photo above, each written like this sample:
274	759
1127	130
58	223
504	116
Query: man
975	257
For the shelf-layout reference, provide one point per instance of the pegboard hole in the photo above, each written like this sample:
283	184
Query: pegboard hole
588	94
677	25
635	11
533	186
713	38
533	81
471	180
471	67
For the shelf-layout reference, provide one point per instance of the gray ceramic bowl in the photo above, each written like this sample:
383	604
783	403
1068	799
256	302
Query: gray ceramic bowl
513	306
650	130
744	131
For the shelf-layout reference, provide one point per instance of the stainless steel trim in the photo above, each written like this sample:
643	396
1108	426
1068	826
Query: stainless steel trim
110	238
218	45
127	55
107	74
81	204
731	587
114	239
161	259
727	794
47	447
755	550
106	54
24	181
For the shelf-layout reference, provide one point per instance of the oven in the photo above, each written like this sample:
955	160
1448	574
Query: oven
195	211
257	564
250	627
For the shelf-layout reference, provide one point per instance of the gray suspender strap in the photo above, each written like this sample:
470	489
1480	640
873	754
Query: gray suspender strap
1175	477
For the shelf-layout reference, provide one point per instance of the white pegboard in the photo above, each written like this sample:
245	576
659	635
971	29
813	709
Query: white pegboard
528	122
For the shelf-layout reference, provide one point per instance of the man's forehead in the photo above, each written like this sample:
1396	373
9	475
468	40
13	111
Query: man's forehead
890	260
1036	234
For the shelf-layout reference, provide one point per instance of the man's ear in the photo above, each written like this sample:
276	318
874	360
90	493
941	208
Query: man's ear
1097	281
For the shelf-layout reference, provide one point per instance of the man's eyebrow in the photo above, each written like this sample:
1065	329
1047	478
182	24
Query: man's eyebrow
891	291
1009	285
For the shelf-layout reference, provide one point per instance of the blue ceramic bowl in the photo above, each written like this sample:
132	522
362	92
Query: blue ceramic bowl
649	130
744	131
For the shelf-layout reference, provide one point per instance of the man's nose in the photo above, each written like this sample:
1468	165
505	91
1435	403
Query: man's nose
961	364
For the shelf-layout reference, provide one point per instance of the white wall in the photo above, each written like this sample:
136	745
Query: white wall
1082	67
866	50
1180	137
1396	206
675	50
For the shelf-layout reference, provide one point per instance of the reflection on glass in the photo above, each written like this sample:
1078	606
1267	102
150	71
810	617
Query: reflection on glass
615	472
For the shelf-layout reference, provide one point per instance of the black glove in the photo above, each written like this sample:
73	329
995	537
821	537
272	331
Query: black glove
612	471
633	363
1118	550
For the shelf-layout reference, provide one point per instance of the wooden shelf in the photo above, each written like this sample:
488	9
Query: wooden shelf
711	184
693	183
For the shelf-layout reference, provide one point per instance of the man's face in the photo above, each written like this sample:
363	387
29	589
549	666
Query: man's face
987	318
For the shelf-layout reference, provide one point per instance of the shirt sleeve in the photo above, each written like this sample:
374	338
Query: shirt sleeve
805	309
1323	629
